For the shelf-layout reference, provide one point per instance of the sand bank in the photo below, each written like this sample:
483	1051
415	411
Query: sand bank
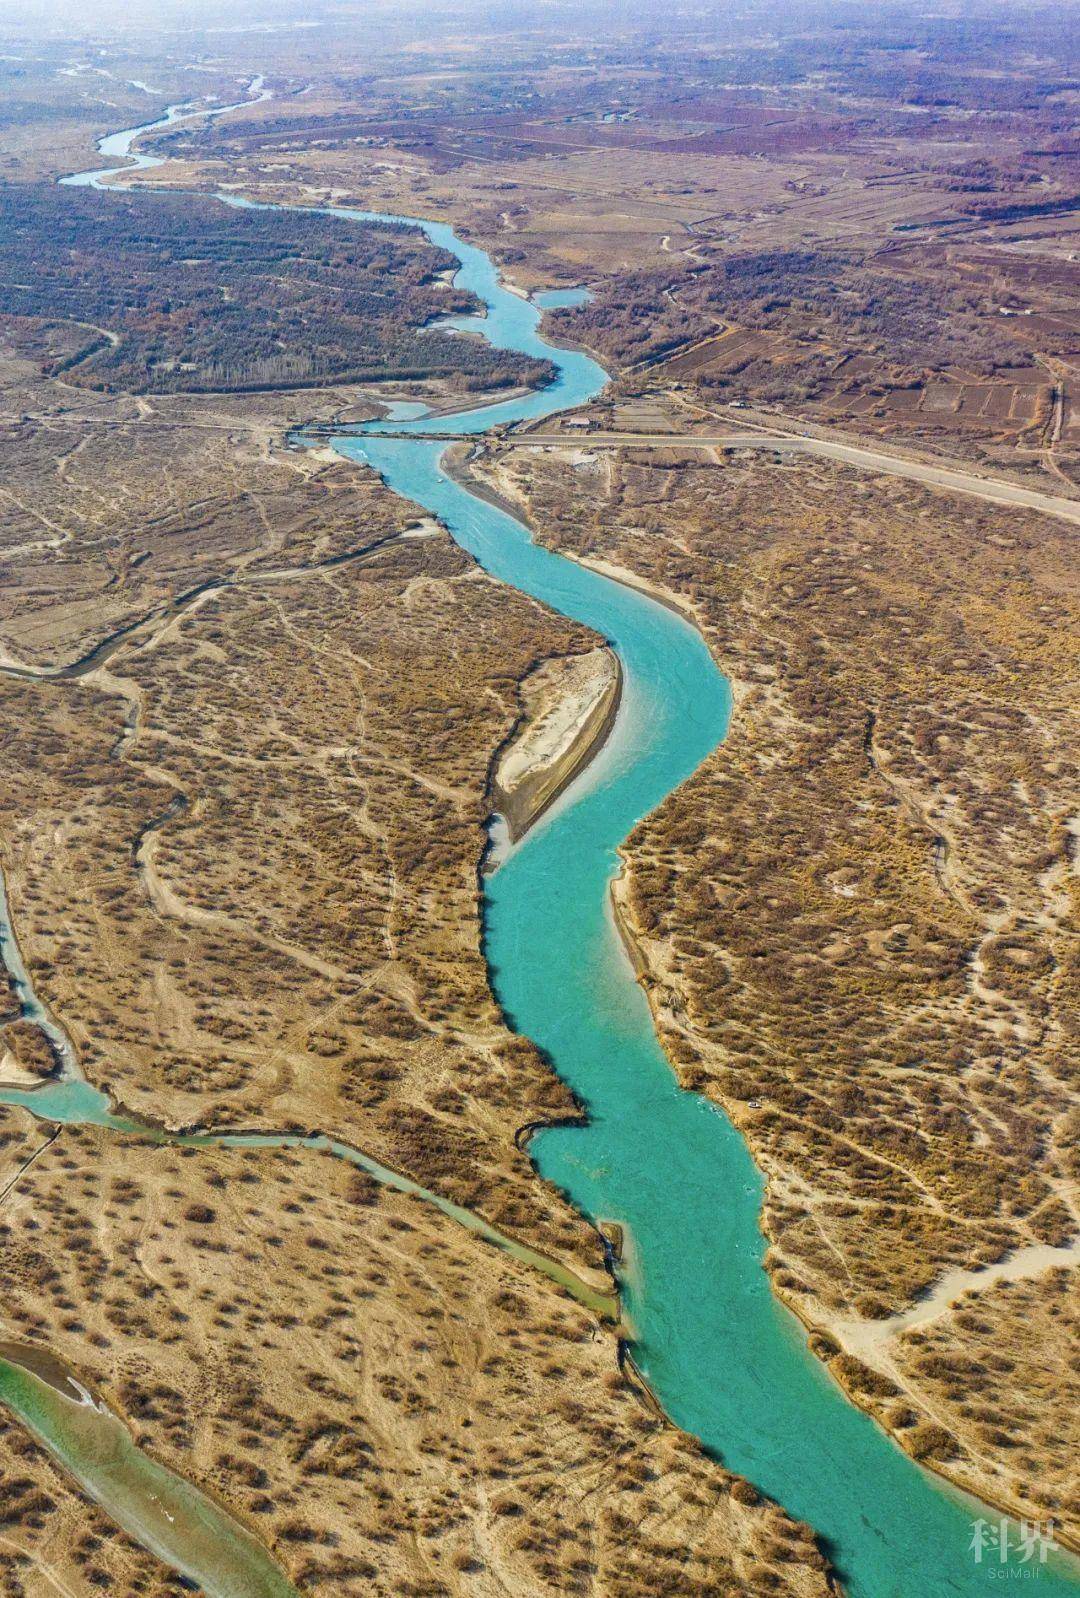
569	705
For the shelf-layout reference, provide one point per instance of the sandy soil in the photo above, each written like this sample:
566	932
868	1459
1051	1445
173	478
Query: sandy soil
569	706
854	922
380	1398
241	852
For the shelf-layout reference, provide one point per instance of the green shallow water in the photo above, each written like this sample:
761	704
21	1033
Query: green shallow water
166	1514
727	1362
79	1103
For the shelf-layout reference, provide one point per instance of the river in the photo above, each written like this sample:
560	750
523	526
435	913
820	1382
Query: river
725	1359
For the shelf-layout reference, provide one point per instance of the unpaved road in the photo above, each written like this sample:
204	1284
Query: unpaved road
954	479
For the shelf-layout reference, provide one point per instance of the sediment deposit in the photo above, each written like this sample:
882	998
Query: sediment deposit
568	707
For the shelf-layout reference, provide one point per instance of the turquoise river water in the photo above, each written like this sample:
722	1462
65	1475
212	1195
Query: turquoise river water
727	1362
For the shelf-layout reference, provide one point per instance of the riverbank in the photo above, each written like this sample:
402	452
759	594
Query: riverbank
708	1335
854	1353
45	1366
75	1101
184	1526
461	462
724	1000
569	707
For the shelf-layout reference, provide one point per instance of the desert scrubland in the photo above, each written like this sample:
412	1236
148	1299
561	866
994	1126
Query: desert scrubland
241	845
856	921
391	1406
256	711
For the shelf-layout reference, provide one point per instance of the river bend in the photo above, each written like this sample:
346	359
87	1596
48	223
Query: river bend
725	1359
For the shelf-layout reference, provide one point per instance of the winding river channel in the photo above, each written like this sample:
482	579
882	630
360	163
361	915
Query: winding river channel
725	1359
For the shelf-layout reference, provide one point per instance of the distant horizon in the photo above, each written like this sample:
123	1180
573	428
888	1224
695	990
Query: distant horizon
80	17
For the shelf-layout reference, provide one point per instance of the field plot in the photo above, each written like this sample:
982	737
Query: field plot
958	402
730	352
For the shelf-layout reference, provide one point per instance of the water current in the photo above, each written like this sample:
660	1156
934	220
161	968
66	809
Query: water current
725	1359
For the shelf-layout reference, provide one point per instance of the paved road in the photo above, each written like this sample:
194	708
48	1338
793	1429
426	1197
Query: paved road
953	478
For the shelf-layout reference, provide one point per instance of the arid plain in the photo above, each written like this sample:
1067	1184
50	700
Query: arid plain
258	711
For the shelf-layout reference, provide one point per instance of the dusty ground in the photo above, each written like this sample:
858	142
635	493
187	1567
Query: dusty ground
859	917
241	847
391	1405
274	829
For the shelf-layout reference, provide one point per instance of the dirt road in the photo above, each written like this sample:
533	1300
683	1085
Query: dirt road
954	479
